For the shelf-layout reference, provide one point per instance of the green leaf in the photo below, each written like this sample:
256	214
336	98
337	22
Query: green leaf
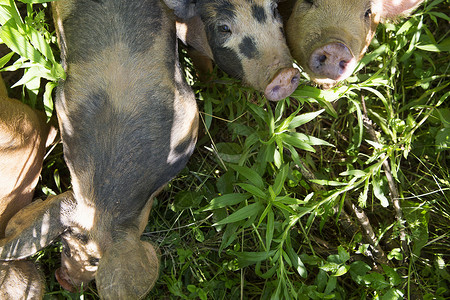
249	258
378	191
443	139
355	173
393	294
39	42
331	285
290	140
329	182
311	140
343	255
48	101
270	228
186	199
19	44
241	214
330	267
443	46
371	57
395	253
8	11
341	270
226	200
280	179
35	73
358	269
253	190
249	174
304	118
393	276
5	59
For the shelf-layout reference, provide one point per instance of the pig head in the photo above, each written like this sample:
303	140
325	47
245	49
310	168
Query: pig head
24	136
329	37
244	38
128	124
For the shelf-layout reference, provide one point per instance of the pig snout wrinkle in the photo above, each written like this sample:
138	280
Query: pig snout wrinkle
283	84
334	61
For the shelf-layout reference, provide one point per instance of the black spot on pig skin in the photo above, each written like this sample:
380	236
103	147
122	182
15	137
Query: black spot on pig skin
93	261
82	238
228	61
248	47
258	13
225	10
226	58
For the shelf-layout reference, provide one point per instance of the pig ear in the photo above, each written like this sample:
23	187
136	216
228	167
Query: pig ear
183	9
127	270
393	9
36	226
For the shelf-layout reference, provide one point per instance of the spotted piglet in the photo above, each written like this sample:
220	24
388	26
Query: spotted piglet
244	38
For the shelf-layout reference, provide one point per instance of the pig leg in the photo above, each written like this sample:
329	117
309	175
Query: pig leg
36	226
20	280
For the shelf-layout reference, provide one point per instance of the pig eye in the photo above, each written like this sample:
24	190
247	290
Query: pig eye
224	29
368	13
310	1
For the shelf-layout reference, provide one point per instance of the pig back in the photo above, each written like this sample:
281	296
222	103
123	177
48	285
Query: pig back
128	118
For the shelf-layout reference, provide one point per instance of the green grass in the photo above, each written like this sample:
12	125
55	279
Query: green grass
280	199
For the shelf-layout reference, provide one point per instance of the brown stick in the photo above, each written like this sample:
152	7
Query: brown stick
394	195
349	226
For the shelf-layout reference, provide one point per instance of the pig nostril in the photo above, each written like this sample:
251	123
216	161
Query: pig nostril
322	58
276	89
343	64
295	79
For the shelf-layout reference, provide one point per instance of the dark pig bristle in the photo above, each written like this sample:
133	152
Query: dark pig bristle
248	47
259	13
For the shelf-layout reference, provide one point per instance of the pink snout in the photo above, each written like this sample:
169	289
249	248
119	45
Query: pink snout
333	61
283	84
